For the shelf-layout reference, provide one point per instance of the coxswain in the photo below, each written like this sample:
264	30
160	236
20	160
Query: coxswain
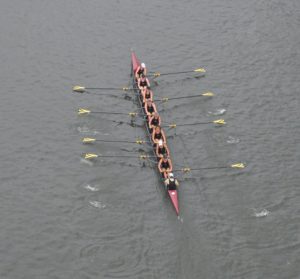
143	82
165	166
171	182
158	134
147	95
141	70
150	108
162	149
154	121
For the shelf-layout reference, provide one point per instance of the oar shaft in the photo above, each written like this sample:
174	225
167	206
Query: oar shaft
108	112
123	141
186	124
235	166
192	124
125	156
184	97
108	88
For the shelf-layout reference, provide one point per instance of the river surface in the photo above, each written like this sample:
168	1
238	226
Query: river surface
64	217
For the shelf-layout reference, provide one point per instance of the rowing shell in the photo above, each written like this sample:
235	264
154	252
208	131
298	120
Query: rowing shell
173	194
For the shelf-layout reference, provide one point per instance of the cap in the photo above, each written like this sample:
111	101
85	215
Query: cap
143	65
171	175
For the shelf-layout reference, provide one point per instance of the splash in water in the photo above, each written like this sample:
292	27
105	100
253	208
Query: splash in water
88	162
97	204
91	188
261	213
218	112
232	140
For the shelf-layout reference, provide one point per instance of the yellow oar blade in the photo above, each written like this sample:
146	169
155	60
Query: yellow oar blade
200	70
79	89
90	156
219	121
88	140
238	166
186	170
208	94
82	111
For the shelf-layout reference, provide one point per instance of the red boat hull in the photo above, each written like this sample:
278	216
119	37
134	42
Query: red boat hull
173	194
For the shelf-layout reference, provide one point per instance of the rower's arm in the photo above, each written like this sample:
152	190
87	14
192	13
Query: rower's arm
154	106
164	136
136	72
151	95
159	166
153	139
171	166
167	149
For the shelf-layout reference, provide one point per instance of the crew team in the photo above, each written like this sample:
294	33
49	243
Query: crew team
154	123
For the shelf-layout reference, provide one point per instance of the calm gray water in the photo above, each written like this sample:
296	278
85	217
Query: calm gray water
62	217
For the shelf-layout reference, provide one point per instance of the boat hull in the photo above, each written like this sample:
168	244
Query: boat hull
173	194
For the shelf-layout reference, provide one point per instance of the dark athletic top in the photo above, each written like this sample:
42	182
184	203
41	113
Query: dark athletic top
150	109
140	71
143	83
154	122
165	165
162	150
158	136
147	95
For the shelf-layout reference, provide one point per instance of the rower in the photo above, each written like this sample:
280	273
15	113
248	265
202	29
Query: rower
150	108
143	82
171	182
158	134
162	149
147	95
154	121
141	70
165	166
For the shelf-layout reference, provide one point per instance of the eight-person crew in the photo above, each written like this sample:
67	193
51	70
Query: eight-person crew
162	149
150	108
143	82
171	182
154	121
165	166
158	134
141	70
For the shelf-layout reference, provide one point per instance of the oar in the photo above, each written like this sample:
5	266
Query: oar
166	99
234	166
157	74
174	125
92	140
92	156
82	89
83	111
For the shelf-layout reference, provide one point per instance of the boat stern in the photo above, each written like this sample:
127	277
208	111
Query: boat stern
174	198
